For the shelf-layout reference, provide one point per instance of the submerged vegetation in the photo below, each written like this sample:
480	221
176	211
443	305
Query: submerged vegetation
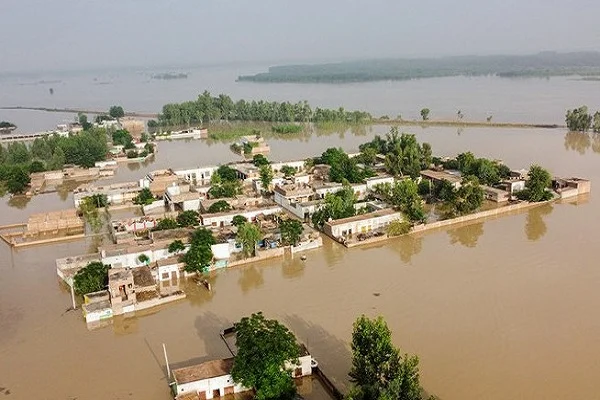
580	120
537	65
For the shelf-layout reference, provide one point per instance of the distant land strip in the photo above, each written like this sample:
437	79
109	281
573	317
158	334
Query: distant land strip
460	124
79	110
375	121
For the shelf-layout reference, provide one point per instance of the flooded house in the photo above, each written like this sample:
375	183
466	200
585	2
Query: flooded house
571	187
212	379
342	229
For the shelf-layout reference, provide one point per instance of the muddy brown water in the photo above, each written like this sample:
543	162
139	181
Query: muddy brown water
495	310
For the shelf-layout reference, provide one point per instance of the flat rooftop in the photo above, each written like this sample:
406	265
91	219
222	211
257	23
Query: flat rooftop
362	217
441	175
206	370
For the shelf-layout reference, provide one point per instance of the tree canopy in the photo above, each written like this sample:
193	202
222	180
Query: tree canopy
403	154
291	231
536	186
265	349
91	278
116	112
336	206
199	256
266	176
248	235
378	370
176	246
578	119
404	196
343	168
219	206
144	197
187	218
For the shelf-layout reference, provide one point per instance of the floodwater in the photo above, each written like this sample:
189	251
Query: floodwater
537	100
500	309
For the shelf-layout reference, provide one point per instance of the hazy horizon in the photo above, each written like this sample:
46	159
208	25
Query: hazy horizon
73	35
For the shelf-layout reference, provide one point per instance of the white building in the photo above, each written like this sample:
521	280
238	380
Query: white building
181	197
226	218
197	176
127	255
374	181
361	223
297	165
213	378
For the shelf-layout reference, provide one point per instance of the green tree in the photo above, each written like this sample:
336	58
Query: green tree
83	121
425	114
404	196
239	220
248	235
116	112
36	166
219	206
291	231
123	138
466	199
227	173
537	184
57	161
378	371
397	228
91	278
18	153
578	120
144	259
336	206
596	123
166	224
260	160
266	349
41	150
18	180
199	256
144	198
288	171
187	218
176	246
266	176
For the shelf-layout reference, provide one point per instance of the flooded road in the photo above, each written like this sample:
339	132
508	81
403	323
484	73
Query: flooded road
501	309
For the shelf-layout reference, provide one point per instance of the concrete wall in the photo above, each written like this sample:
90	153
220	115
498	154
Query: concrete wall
262	255
131	260
307	245
227	219
209	385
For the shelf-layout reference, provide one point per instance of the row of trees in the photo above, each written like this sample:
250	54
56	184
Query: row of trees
580	120
207	108
268	351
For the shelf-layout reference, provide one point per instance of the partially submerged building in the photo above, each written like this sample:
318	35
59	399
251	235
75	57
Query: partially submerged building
571	187
342	229
213	379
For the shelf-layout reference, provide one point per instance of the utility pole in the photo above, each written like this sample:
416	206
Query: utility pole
167	361
73	294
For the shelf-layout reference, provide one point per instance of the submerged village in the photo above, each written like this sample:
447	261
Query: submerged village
186	224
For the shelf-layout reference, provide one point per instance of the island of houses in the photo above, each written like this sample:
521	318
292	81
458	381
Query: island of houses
144	272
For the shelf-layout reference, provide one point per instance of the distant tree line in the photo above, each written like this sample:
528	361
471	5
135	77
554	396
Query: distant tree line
207	108
580	120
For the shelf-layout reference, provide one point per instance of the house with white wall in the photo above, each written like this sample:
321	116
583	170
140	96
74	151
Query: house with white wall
197	176
226	218
364	223
180	197
213	379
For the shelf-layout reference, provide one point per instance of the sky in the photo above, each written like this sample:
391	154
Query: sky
38	35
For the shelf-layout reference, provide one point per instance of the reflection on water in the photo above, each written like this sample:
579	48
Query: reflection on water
466	235
581	142
293	267
251	277
535	227
407	246
19	202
